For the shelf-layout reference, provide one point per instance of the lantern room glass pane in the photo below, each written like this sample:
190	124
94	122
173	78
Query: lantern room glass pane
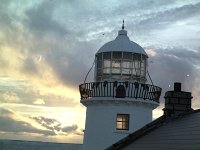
138	72
134	71
127	55
116	70
116	77
126	71
106	70
117	55
126	77
142	65
126	64
136	57
142	73
99	56
98	72
99	64
107	55
116	63
106	63
105	77
136	64
98	78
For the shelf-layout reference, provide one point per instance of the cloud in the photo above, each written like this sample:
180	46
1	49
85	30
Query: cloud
174	65
55	125
6	112
48	123
40	19
9	97
70	129
8	124
36	93
163	19
39	101
5	19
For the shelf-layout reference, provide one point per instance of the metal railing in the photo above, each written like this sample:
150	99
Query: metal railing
120	90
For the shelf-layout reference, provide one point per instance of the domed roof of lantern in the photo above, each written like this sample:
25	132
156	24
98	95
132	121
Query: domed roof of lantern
122	43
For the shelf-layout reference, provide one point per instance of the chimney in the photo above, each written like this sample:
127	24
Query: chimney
177	101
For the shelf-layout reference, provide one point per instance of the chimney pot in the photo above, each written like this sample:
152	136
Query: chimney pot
177	87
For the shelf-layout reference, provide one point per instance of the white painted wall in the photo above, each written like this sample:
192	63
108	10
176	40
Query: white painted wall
100	129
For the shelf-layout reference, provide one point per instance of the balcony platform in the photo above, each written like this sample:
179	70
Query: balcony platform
120	90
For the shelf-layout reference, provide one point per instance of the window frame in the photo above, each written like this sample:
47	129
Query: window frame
125	122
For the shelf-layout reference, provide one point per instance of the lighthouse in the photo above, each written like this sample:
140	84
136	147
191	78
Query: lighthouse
119	101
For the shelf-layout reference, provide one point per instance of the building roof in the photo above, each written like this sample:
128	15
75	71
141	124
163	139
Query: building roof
167	132
122	43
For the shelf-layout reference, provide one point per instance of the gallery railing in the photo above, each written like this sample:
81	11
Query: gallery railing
120	90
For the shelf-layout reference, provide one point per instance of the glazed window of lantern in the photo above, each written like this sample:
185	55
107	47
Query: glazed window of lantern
122	122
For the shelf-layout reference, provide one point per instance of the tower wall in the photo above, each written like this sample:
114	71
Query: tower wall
100	129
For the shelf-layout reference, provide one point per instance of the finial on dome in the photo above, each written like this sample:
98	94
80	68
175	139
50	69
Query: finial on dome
123	25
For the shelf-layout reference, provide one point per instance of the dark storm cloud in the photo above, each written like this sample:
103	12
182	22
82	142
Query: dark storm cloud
8	124
65	54
54	125
70	129
183	53
174	65
163	19
40	19
48	123
5	112
4	15
138	7
71	63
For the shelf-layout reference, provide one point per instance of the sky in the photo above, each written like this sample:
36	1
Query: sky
48	46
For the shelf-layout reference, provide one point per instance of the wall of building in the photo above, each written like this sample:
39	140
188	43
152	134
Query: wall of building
101	122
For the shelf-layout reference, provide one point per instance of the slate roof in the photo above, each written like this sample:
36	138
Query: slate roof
167	132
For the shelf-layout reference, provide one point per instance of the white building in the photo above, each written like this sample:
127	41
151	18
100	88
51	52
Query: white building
119	101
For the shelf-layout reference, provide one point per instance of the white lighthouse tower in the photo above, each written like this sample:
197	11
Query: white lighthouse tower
118	101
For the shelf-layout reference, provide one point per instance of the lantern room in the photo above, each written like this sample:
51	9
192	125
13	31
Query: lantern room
121	60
